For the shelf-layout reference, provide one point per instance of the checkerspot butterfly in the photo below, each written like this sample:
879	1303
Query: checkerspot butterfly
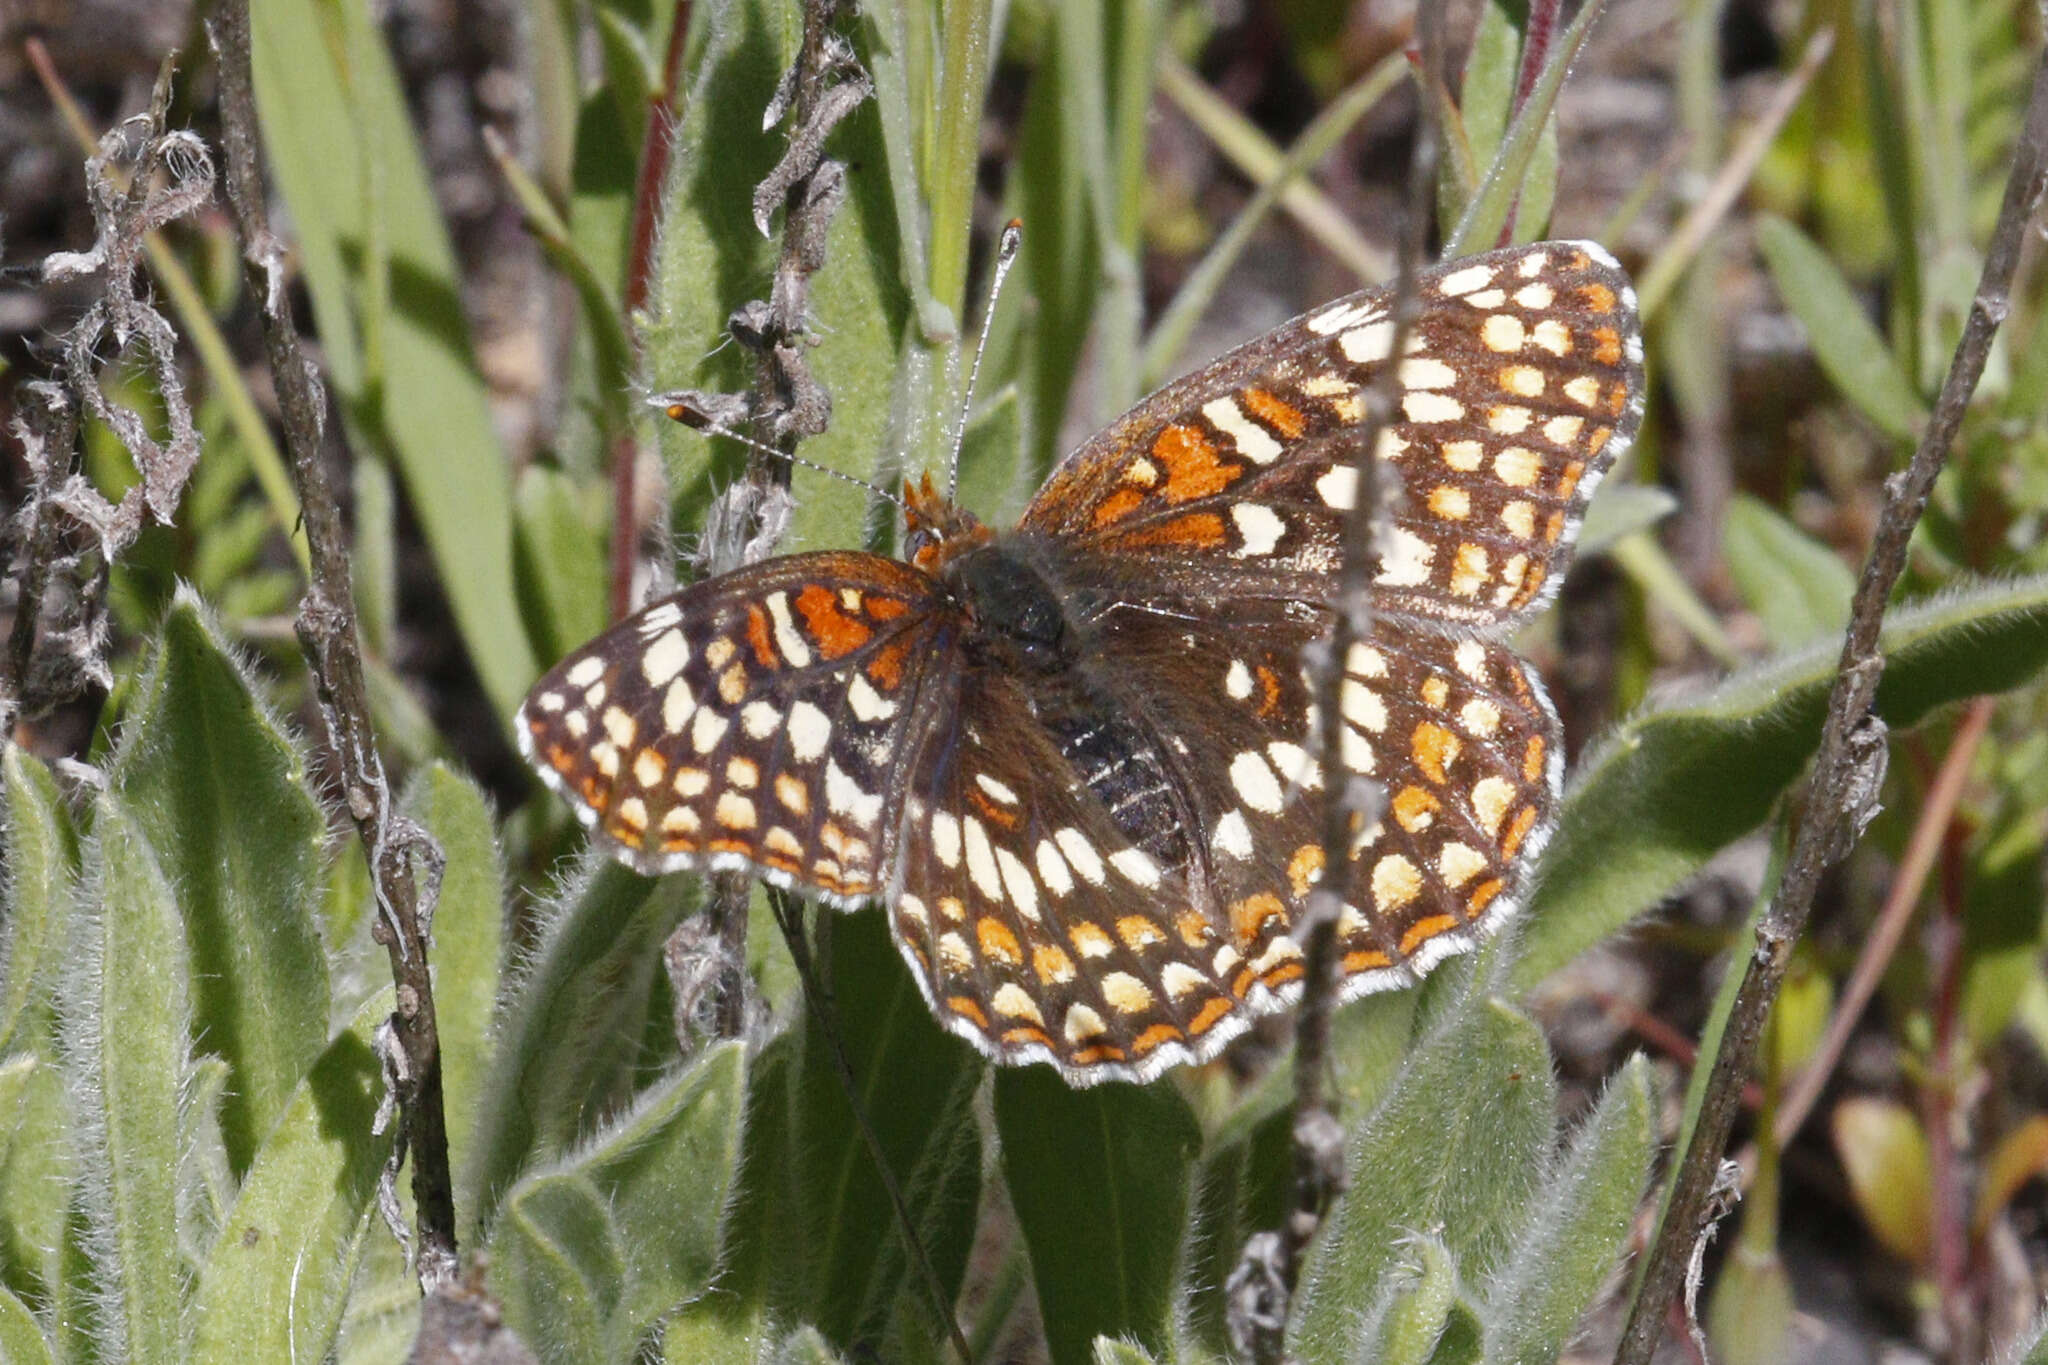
1069	758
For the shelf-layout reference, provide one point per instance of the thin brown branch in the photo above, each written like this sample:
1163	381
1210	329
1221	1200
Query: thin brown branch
1890	929
1849	765
1263	1284
403	860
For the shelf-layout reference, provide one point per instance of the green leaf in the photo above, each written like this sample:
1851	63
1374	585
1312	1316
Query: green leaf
219	791
1509	174
35	1175
1621	509
1848	346
561	1061
711	259
590	1250
386	294
1799	588
468	943
564	568
1884	1153
277	1278
1455	1147
127	1024
41	860
1099	1180
1681	778
21	1337
813	1236
1576	1228
1407	1321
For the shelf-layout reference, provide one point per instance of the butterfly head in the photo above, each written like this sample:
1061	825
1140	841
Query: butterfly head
936	529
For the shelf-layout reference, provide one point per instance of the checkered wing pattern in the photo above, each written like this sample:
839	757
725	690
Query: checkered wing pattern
1073	760
1521	383
751	720
1043	927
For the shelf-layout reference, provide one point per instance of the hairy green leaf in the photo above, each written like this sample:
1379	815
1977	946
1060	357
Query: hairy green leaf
21	1337
219	791
590	1250
560	1060
1575	1228
42	859
1099	1179
275	1282
813	1236
711	259
1455	1148
1685	776
468	945
127	1024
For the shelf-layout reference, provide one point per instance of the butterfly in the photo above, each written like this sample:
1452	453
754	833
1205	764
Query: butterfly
1071	760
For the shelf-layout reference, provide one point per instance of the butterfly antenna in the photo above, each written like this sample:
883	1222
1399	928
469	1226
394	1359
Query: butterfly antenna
689	408
1006	256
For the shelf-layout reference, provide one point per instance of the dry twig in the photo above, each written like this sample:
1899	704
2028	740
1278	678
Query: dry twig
1849	766
1261	1288
404	861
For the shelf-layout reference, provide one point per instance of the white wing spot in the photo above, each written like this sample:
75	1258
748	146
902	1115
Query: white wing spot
808	731
844	796
868	704
1464	281
1256	785
1339	488
1428	406
586	672
1017	881
707	730
787	637
1503	332
995	789
1238	681
1368	345
1138	869
1080	853
1339	316
1424	372
1250	439
946	838
1260	526
759	719
981	861
665	658
1407	560
1233	836
1053	869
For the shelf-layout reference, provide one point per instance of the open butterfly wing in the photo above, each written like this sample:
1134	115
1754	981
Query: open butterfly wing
1522	383
749	720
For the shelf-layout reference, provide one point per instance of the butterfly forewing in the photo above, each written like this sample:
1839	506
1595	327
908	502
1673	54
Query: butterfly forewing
752	719
1520	385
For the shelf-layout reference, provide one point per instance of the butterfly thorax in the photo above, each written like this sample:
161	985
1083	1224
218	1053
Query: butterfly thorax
1029	625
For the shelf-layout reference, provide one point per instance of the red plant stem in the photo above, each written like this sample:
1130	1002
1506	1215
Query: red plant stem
655	149
1951	1241
1536	39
